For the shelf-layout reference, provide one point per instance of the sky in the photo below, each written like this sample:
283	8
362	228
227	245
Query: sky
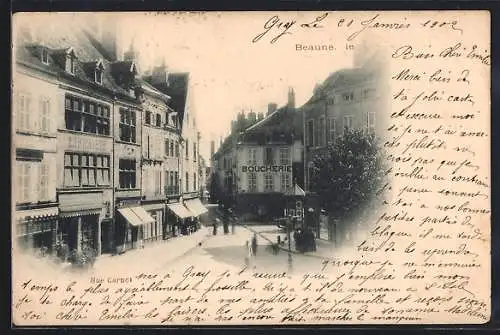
228	72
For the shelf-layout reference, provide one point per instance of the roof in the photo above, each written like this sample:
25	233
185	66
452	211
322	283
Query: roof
342	79
177	89
283	125
88	53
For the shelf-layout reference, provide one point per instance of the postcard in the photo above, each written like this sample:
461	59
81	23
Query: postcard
251	168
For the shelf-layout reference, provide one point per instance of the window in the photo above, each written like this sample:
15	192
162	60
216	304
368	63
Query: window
176	181
284	156
252	182
167	147
252	156
23	170
321	132
127	125
268	158
23	111
310	133
86	170
86	116
45	56
98	74
348	96
157	182
348	122
70	63
44	115
268	182
370	121
285	182
332	130
158	120
187	149
194	152
127	172
177	149
187	182
44	182
194	181
172	148
148	117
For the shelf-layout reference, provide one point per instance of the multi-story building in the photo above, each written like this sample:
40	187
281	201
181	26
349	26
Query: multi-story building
182	209
260	161
35	97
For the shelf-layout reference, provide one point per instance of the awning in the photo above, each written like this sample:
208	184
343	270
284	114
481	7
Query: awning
74	213
130	216
38	213
195	206
142	214
180	210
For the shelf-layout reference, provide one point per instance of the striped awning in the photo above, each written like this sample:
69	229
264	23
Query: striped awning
136	216
38	213
83	212
196	207
180	210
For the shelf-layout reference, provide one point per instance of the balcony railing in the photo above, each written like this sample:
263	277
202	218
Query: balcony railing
172	190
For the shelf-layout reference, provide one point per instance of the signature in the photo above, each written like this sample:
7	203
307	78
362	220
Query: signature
278	28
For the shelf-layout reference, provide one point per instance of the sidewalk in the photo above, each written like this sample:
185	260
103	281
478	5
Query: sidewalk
154	255
324	249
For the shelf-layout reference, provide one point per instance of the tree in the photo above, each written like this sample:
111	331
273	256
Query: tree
348	174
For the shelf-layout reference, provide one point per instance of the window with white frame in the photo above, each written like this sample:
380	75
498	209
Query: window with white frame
70	62
252	182
348	122
268	182
23	170
127	125
285	182
127	173
284	156
332	130
98	73
44	115
44	182
24	111
86	170
252	156
370	118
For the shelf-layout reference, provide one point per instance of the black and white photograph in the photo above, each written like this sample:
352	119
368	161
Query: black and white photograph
235	168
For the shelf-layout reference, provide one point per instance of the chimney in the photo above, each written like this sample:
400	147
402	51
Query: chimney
291	98
271	108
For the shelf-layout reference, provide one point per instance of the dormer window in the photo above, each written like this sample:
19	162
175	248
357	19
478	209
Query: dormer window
70	61
45	56
99	70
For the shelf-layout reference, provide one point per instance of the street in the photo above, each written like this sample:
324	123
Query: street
229	251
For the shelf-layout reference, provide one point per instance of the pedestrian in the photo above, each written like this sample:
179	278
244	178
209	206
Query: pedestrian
254	244
215	227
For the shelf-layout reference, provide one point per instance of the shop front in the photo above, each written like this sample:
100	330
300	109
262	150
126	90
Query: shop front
180	217
80	218
198	209
36	228
134	223
154	230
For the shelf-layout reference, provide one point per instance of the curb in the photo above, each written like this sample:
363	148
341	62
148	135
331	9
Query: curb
285	249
